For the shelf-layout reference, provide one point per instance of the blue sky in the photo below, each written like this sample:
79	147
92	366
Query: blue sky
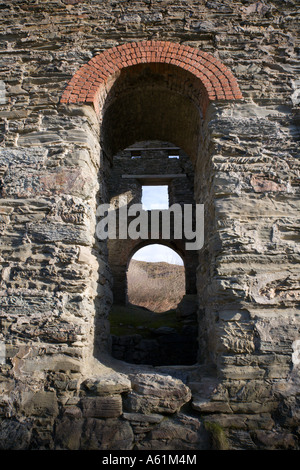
155	197
156	252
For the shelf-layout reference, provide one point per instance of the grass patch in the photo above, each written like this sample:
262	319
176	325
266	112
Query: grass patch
131	319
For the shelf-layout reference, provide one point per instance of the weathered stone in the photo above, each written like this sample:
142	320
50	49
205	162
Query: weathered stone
109	434
254	407
59	233
240	439
12	157
142	423
242	421
108	384
204	406
57	333
153	393
15	435
44	183
102	407
68	433
273	440
142	418
183	432
73	411
60	158
59	362
40	404
240	373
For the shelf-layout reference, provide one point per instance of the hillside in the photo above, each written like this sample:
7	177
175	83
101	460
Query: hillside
156	286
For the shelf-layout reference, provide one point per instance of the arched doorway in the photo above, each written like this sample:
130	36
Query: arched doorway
155	90
156	278
139	334
158	325
149	164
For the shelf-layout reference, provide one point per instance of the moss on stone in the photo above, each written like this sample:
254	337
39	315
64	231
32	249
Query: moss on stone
217	435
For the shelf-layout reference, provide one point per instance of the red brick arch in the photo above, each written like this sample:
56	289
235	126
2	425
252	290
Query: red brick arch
216	79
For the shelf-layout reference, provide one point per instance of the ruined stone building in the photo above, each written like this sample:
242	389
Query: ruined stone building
83	84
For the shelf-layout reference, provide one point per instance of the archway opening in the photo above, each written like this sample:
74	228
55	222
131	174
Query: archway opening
152	102
153	319
151	113
147	165
156	278
145	91
155	327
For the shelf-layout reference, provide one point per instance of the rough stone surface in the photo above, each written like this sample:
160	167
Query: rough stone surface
106	385
56	158
154	393
94	434
183	432
102	407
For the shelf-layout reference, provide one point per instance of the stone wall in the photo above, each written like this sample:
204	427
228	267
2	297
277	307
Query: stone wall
60	389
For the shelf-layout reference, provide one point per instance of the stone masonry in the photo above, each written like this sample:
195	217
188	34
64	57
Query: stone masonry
80	82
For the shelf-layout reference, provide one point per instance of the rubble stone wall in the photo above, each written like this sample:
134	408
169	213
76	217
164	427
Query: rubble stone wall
60	388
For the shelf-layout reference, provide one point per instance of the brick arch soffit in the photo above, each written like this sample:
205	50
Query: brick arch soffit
215	79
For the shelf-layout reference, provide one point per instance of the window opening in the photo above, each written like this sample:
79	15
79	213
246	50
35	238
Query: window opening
155	197
156	278
136	154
